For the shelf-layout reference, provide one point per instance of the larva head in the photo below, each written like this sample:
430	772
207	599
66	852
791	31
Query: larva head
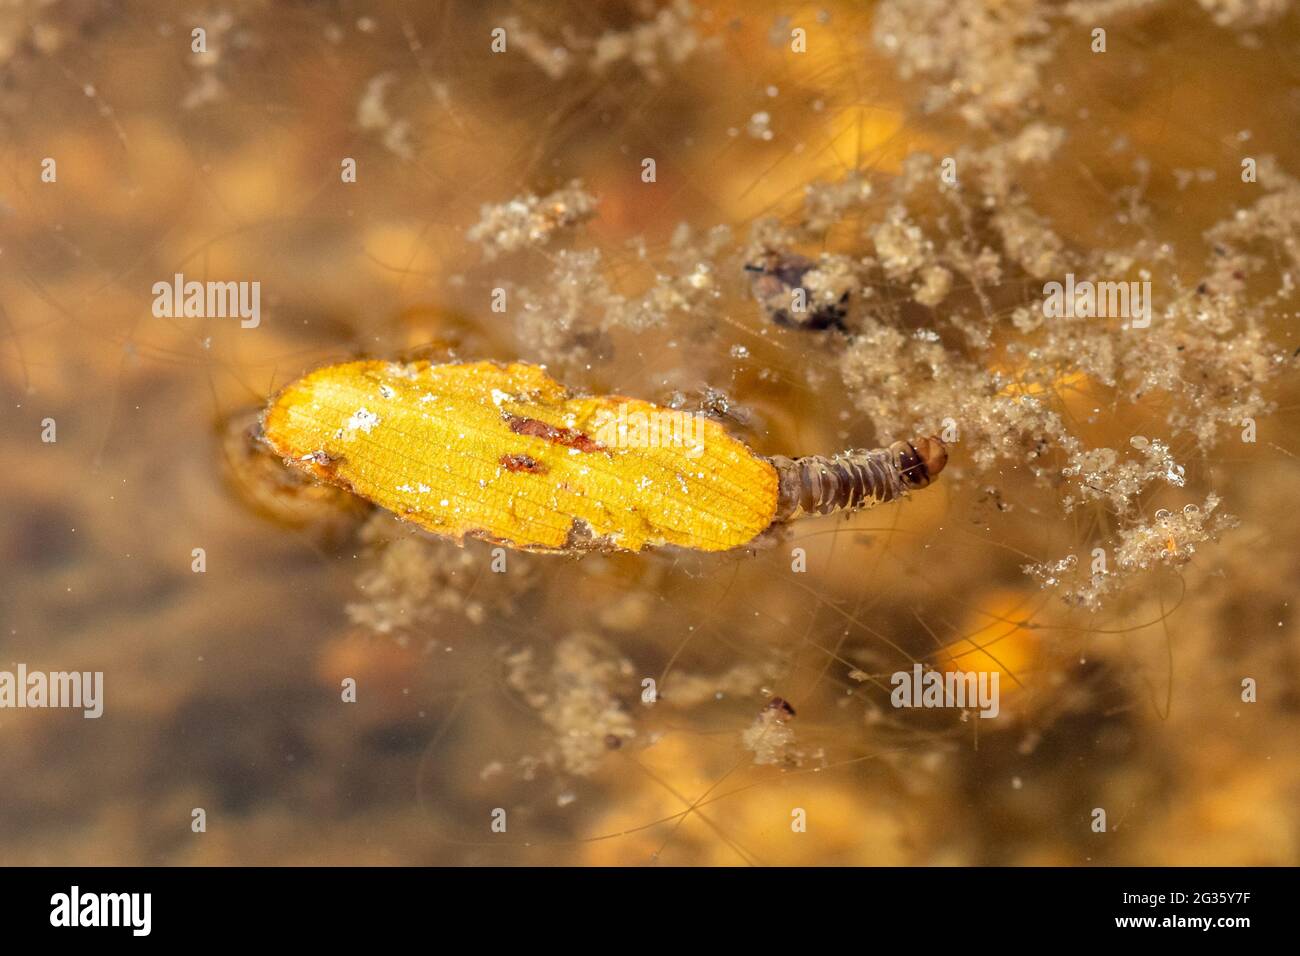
921	460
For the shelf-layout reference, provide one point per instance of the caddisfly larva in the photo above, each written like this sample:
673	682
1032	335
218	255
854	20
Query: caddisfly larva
506	453
853	480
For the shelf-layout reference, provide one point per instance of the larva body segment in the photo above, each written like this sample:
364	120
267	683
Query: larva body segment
855	479
506	453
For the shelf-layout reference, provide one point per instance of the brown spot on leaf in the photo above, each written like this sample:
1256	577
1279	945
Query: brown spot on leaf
523	463
566	437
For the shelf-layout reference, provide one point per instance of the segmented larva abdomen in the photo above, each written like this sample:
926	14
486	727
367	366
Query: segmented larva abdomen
855	479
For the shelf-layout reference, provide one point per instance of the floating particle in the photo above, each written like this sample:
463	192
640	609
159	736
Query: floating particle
506	453
760	125
770	738
373	116
363	419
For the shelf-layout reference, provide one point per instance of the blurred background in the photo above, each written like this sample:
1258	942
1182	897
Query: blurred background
812	130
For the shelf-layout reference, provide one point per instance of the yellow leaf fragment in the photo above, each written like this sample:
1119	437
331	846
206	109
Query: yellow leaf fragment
503	452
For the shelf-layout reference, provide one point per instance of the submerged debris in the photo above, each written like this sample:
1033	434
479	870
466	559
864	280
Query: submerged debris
1167	539
415	580
982	59
373	117
668	37
530	220
770	737
578	693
